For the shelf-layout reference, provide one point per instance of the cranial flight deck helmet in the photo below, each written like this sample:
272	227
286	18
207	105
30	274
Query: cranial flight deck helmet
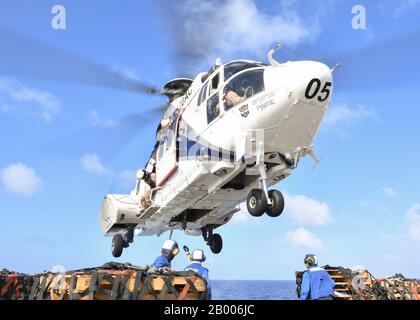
198	256
170	247
311	260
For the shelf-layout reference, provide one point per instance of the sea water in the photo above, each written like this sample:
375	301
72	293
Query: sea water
253	290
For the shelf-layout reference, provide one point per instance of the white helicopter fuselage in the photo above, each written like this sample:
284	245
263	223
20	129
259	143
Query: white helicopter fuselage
216	155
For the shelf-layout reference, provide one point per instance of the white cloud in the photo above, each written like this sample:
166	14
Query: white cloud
97	121
229	28
92	163
302	238
413	217
390	192
344	114
20	179
48	103
307	211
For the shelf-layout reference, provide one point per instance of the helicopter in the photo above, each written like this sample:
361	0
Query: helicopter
226	137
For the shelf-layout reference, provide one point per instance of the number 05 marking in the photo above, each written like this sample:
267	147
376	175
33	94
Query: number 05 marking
312	90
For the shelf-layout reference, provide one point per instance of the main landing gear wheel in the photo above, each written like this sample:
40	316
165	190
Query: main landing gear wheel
216	243
120	242
213	240
256	202
277	203
118	245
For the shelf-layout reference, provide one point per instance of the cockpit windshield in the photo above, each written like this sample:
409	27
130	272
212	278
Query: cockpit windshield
242	87
236	66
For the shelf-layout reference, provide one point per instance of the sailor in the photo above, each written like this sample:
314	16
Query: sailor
150	180
169	251
316	282
197	258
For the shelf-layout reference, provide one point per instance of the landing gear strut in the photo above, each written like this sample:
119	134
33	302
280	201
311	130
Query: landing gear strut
213	240
261	200
119	242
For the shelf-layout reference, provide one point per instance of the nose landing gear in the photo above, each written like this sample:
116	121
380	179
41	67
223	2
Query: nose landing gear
256	202
277	203
262	200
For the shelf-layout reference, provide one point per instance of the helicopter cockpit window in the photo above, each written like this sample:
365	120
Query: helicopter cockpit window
213	108
234	67
215	82
203	94
243	87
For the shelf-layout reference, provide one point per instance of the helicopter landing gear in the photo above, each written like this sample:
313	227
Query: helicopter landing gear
119	242
262	200
213	240
256	202
277	203
117	245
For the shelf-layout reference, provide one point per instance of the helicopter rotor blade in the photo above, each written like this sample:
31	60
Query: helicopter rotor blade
105	140
190	51
23	56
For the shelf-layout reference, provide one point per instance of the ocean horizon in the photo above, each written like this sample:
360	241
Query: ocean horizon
253	289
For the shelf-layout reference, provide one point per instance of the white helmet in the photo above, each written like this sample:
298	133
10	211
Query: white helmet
198	255
171	247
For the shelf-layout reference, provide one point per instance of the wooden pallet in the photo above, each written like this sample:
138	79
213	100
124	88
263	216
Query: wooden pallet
361	285
401	289
106	284
59	286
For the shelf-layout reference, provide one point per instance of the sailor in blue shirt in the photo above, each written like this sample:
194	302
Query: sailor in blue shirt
316	282
169	251
197	258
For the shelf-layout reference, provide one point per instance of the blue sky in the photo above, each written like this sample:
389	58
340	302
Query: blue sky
63	146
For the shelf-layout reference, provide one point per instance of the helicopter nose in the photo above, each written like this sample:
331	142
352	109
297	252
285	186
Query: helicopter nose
309	81
315	85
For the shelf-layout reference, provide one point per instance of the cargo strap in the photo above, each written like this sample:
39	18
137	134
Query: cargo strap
168	288
34	290
112	285
187	287
147	286
9	288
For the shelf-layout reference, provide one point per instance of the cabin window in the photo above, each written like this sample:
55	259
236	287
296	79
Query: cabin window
213	108
169	139
161	148
243	87
203	94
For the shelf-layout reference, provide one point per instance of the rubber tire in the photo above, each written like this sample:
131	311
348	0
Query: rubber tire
256	202
216	244
117	245
277	207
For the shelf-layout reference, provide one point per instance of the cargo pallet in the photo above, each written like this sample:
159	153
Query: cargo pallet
109	282
362	285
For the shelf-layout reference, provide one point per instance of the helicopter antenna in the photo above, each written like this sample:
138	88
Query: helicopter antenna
272	61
